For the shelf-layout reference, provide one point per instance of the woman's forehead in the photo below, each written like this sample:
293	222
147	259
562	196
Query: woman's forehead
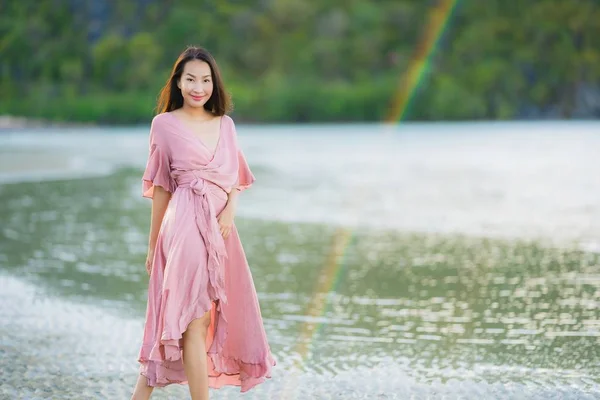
197	68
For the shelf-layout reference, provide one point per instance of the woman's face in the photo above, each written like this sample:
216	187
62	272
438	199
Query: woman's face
196	83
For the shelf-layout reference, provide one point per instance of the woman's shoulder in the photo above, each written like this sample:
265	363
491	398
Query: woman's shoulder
164	122
229	123
161	119
227	119
161	128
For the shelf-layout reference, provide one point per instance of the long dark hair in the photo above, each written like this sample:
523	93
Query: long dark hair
170	97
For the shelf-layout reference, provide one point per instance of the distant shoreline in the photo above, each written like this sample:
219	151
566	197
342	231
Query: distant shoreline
14	122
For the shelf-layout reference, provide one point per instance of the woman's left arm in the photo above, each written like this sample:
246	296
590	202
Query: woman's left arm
227	216
244	181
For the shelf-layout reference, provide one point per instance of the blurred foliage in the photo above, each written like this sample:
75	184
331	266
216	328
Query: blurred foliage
294	60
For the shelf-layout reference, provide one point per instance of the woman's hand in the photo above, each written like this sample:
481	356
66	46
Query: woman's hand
226	221
149	259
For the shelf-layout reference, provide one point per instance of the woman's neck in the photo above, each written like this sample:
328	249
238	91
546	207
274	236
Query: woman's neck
196	113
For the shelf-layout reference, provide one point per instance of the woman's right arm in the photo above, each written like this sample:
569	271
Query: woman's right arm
160	201
157	183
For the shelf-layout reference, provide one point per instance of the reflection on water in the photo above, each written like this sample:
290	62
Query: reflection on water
435	308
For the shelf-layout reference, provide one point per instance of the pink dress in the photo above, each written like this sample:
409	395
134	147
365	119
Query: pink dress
194	269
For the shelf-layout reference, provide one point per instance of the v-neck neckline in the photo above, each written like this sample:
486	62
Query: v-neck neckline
184	126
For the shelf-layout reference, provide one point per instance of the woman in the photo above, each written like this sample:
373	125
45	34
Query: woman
203	321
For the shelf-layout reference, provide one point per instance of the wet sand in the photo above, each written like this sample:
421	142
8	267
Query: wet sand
52	348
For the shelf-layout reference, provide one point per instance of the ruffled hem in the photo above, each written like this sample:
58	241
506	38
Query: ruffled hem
166	352
234	371
247	374
163	365
244	374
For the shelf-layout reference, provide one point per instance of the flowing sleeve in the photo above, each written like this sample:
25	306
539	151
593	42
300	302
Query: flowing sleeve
158	169
245	176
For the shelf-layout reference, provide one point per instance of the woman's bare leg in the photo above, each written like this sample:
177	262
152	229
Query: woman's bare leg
194	357
142	391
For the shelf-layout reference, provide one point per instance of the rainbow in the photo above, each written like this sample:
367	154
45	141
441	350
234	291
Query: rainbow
329	279
333	271
439	16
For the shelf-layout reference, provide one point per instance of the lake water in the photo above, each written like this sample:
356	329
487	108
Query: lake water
425	260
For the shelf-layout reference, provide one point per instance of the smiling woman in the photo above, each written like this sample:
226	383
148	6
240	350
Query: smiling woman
196	83
203	321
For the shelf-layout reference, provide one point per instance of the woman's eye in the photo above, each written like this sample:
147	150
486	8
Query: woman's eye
189	79
207	80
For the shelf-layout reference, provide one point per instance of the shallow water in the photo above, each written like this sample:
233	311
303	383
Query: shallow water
529	179
351	311
418	308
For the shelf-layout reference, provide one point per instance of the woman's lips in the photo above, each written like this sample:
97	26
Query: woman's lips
197	98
